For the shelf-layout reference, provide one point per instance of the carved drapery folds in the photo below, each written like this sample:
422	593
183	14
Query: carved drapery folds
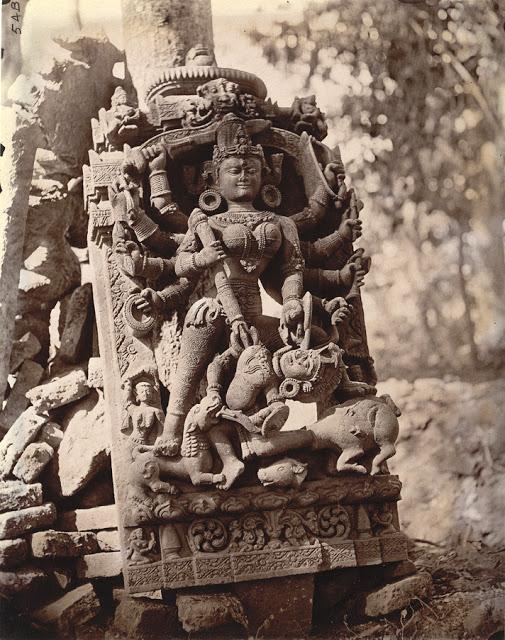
193	204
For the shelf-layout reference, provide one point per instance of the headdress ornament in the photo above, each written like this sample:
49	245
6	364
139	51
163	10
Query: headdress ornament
232	140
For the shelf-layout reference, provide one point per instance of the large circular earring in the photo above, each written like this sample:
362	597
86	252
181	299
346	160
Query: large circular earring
271	195
210	200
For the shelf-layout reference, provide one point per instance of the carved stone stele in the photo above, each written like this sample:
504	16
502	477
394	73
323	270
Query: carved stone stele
216	191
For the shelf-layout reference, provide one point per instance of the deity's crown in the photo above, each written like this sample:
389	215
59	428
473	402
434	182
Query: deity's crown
232	139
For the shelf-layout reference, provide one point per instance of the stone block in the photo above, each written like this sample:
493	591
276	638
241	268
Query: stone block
143	619
26	348
64	577
201	612
85	448
52	434
279	606
14	583
74	338
108	540
16	495
74	608
27	377
13	553
32	461
395	596
95	519
20	435
95	373
16	523
63	544
100	565
60	390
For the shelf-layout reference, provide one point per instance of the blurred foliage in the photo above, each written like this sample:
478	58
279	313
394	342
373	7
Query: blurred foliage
415	94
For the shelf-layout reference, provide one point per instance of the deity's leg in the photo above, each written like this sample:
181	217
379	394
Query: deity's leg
220	436
203	328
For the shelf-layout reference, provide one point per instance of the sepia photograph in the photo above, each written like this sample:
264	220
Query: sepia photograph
252	311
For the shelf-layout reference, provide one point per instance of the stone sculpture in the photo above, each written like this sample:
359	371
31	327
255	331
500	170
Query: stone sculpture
215	194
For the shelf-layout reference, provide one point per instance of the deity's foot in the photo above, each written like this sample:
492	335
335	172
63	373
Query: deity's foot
275	420
231	471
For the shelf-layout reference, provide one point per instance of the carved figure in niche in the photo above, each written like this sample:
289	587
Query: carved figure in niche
284	473
122	120
145	415
239	247
141	546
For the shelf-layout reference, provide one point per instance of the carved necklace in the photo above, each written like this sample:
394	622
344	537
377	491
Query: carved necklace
250	218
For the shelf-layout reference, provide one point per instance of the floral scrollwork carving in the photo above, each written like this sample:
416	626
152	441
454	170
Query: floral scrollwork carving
248	533
334	522
295	529
207	536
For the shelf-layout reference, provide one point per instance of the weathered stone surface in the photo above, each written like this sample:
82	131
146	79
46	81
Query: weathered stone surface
85	448
100	565
22	432
52	434
396	595
64	577
95	519
279	606
74	608
95	373
18	495
143	618
59	391
62	544
32	461
208	611
13	552
15	523
13	583
108	540
28	376
26	348
76	337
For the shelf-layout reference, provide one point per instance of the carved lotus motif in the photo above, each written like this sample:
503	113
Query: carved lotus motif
207	536
307	498
334	522
271	501
235	504
203	505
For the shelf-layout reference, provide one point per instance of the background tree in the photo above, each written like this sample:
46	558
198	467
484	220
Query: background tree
415	95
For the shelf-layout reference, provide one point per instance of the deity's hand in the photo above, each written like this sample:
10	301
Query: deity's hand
242	336
332	175
338	309
210	255
156	157
148	301
291	325
350	226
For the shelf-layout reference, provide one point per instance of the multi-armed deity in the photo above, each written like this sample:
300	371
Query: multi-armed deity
204	210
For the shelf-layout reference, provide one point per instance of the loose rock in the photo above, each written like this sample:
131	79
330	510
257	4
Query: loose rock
100	565
108	540
28	376
74	338
32	461
75	608
90	519
26	348
18	495
16	523
396	595
208	611
22	580
13	553
62	544
95	373
144	619
20	435
59	391
52	434
85	448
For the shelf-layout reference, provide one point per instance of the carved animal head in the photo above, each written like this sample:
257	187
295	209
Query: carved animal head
144	465
202	416
287	472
